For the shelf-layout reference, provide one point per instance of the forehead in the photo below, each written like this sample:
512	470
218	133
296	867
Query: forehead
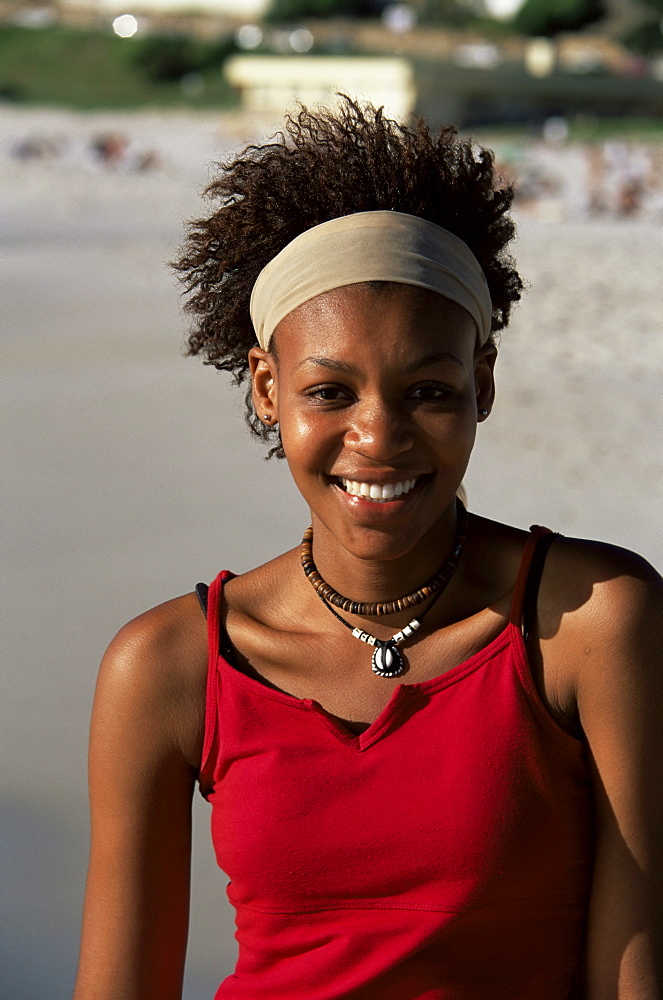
384	321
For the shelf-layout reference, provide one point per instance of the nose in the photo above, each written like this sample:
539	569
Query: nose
379	432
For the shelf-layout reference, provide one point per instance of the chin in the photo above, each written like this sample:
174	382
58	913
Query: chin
381	543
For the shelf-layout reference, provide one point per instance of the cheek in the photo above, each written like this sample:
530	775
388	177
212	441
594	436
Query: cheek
297	433
306	443
451	433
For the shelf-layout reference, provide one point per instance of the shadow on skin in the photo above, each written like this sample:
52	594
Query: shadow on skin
620	947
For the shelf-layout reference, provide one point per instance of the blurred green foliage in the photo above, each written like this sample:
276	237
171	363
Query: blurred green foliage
550	17
449	12
645	36
96	69
297	10
455	14
170	57
582	128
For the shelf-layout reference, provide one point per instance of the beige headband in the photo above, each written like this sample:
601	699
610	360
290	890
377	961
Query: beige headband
370	246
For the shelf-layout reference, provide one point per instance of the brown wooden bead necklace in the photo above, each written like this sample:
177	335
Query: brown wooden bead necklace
377	608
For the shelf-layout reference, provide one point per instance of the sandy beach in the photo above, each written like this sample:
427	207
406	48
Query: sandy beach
130	475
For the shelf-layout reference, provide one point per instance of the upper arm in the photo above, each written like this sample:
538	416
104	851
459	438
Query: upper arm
620	704
141	782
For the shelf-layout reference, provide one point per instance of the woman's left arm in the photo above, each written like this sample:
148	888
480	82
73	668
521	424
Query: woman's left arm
619	674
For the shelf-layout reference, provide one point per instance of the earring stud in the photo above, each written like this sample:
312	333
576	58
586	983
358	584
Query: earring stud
484	413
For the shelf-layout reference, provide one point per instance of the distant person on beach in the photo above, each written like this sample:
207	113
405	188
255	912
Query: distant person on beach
431	742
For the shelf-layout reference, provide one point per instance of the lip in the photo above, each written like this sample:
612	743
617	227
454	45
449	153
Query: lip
372	512
379	478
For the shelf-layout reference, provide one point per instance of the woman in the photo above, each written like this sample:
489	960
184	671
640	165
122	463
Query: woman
430	741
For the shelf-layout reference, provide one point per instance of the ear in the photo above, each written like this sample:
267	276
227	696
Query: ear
264	388
484	380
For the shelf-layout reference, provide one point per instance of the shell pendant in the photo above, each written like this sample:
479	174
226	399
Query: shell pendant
387	660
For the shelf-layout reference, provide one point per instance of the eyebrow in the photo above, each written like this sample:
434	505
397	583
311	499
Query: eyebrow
335	366
414	366
433	359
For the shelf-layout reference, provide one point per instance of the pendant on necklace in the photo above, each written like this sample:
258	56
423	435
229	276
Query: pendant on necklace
387	660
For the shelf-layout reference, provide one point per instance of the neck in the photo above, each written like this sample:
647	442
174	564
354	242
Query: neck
368	565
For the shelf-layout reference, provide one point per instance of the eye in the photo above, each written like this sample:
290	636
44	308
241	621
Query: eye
328	393
430	392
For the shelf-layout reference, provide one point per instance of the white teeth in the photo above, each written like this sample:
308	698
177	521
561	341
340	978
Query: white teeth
376	492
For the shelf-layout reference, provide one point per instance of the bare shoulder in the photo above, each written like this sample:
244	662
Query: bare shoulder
590	585
599	622
168	629
154	671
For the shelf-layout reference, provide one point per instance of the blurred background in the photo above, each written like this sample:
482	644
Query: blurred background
129	472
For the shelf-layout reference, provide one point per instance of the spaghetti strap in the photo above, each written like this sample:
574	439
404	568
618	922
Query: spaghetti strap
214	634
210	601
537	532
213	618
530	600
202	592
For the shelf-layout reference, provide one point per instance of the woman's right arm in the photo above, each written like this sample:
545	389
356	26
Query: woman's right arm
146	730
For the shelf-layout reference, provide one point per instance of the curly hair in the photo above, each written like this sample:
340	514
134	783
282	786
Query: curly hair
326	164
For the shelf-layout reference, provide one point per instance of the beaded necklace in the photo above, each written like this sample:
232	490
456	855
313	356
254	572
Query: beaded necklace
435	585
387	660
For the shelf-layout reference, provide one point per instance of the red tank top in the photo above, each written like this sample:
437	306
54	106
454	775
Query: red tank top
443	854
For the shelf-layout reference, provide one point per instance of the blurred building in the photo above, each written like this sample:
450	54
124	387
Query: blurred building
474	86
271	83
232	10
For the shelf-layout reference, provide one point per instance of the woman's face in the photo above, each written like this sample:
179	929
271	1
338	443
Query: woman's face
376	392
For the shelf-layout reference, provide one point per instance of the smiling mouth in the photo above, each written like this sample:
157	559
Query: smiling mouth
377	492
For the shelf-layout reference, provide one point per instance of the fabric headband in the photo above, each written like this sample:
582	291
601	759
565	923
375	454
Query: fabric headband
370	246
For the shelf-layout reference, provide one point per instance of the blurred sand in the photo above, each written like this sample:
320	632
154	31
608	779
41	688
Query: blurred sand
131	476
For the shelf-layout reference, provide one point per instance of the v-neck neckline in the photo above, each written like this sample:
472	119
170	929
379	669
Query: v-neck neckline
400	695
